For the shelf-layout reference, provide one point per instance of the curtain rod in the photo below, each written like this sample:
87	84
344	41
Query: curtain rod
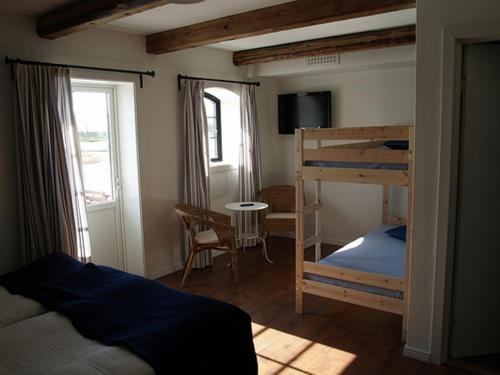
181	77
138	72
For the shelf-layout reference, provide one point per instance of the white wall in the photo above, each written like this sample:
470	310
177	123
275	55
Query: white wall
159	113
433	18
360	98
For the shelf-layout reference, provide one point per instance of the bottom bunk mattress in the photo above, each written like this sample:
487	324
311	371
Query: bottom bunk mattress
110	314
376	252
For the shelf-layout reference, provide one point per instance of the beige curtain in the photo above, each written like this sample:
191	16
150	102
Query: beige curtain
196	157
52	206
250	175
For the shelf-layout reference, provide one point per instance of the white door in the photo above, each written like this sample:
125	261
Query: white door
475	328
94	108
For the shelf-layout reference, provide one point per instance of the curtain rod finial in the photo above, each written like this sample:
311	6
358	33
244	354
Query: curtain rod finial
179	77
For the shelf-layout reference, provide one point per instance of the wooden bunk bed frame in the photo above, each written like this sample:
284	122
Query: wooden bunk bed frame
365	150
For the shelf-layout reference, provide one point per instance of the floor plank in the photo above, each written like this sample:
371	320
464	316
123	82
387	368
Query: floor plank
329	338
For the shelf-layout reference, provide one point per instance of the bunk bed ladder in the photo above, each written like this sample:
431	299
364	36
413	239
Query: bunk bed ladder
299	221
385	204
317	225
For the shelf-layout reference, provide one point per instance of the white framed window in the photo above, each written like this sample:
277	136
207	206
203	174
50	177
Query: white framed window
94	108
213	111
223	105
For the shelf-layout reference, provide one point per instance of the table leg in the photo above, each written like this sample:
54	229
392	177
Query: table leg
243	229
264	246
264	249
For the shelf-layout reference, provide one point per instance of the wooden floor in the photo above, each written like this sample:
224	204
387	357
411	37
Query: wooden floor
329	338
482	365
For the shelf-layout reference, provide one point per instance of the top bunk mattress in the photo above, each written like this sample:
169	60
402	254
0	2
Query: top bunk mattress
346	164
389	145
376	252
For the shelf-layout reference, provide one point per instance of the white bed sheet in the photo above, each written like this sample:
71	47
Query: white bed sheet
49	344
14	308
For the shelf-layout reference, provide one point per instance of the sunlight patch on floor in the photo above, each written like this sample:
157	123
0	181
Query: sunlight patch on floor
283	353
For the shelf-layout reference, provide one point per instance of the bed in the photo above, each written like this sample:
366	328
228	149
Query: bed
376	252
49	344
16	308
63	317
370	271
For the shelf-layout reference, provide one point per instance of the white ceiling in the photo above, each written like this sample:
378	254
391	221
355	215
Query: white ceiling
176	15
172	16
356	25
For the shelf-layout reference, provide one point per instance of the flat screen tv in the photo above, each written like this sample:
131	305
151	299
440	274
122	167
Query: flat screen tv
304	110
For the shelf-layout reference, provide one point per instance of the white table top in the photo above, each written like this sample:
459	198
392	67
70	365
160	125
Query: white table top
255	206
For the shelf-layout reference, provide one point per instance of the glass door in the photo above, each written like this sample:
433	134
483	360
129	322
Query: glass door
94	108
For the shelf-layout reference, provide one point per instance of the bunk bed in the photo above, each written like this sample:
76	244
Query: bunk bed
371	271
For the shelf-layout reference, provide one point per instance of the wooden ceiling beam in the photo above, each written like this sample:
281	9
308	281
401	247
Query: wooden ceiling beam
392	37
291	15
86	13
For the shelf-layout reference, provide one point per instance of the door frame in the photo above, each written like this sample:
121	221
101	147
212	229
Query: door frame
454	39
115	164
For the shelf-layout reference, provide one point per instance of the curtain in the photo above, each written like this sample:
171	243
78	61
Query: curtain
250	175
52	207
196	157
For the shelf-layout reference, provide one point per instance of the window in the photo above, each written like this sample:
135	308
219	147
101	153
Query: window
93	108
212	107
223	117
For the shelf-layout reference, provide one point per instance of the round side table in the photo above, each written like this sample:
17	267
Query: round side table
241	207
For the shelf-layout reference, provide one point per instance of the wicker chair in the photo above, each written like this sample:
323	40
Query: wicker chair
208	230
280	217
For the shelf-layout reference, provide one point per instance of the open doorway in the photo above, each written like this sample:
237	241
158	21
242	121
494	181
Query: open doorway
475	327
105	117
95	109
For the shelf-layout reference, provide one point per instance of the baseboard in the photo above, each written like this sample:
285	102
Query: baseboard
335	241
156	274
417	354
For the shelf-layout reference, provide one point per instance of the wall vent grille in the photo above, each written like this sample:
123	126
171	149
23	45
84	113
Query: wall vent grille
323	60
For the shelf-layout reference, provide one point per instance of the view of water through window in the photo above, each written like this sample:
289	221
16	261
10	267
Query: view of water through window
93	120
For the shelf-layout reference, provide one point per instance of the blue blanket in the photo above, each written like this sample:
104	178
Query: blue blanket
175	332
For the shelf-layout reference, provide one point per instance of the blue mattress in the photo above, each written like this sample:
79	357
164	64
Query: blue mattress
376	252
347	164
